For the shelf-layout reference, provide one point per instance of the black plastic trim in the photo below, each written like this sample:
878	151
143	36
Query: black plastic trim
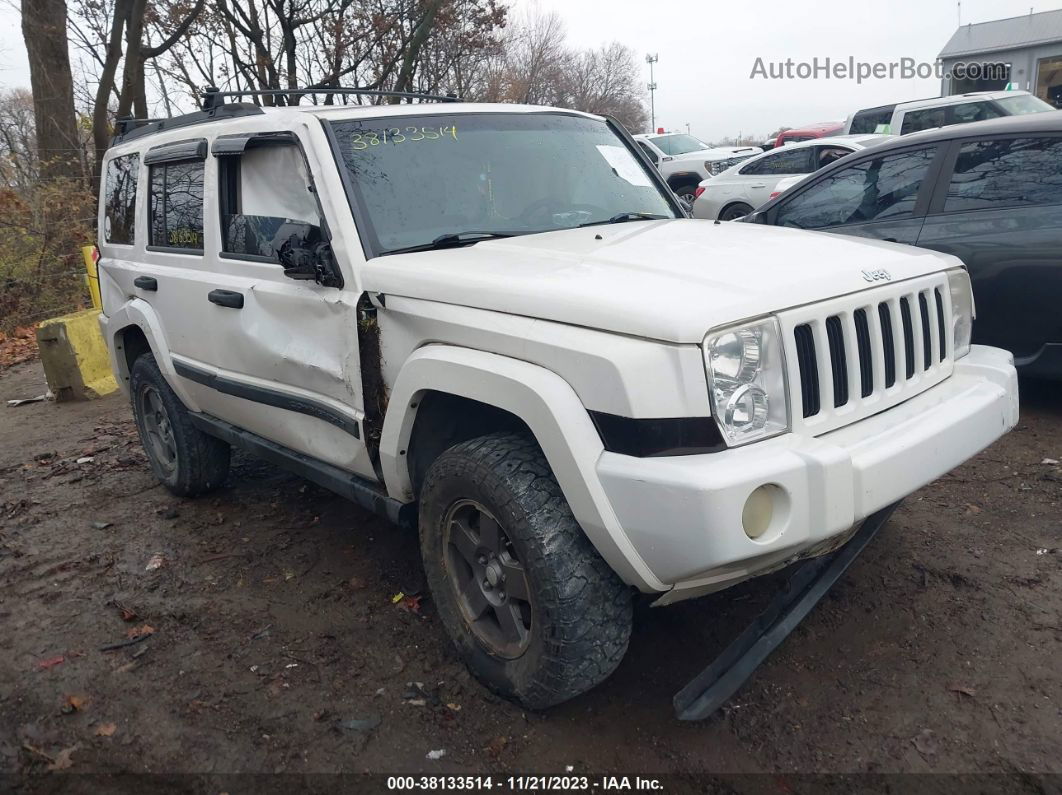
149	283
268	397
195	149
357	489
810	581
651	438
236	143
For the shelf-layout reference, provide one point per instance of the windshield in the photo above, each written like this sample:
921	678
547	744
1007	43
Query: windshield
420	179
679	144
1021	104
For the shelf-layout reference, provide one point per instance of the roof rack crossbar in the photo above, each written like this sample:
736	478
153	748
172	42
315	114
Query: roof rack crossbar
212	97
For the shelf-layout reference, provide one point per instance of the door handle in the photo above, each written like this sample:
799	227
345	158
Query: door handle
226	298
146	283
757	186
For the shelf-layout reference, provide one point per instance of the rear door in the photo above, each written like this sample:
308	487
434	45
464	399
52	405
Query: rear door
998	207
882	197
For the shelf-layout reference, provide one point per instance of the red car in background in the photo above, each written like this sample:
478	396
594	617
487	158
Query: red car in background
808	132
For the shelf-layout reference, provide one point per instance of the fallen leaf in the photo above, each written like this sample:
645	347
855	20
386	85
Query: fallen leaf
398	597
156	562
101	525
74	704
137	632
106	729
62	759
411	604
51	662
453	706
964	689
497	745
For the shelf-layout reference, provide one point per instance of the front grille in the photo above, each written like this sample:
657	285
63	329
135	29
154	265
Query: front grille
848	365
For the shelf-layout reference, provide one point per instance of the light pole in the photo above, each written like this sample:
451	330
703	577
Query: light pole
652	59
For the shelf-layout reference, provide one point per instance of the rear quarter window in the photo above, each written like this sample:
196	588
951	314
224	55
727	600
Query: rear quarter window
1013	172
119	200
176	214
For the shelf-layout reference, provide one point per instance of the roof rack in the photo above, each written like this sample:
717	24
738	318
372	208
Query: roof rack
213	98
127	128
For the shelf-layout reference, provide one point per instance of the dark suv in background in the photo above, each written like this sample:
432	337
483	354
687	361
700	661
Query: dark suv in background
988	192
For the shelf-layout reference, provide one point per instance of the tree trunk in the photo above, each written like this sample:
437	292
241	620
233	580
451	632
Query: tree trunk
101	129
44	30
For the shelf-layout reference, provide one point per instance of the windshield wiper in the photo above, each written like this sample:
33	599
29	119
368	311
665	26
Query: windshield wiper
619	218
453	240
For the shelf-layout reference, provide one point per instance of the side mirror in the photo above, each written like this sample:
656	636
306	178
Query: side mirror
305	256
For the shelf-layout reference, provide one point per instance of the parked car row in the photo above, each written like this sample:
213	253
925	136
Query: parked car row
745	186
989	193
976	175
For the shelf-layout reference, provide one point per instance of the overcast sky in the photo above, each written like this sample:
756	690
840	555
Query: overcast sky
708	48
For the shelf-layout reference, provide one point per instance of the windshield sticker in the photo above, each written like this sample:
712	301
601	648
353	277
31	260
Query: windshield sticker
624	165
400	135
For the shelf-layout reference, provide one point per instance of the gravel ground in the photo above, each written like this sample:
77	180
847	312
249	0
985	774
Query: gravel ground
268	638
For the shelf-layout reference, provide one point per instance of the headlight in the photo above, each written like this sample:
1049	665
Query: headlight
963	311
746	379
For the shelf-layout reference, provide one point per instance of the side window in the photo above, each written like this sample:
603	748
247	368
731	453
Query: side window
119	199
869	121
925	119
176	211
824	155
786	161
882	188
972	111
1011	172
265	197
649	152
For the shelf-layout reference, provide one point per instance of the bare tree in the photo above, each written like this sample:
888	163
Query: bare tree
44	31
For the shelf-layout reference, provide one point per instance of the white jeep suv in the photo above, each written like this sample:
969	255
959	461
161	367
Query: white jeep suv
493	323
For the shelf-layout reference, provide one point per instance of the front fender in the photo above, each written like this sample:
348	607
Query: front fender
550	408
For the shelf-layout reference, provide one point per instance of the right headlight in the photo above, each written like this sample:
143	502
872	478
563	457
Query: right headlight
746	380
963	311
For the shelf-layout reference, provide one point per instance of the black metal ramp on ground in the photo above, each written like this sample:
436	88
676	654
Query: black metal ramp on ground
714	686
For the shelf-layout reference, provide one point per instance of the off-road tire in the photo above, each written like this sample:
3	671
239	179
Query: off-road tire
734	211
201	462
580	610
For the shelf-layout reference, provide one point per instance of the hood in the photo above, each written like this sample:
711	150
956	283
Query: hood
719	153
667	280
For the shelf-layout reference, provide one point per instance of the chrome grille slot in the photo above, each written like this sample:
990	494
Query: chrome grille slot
854	356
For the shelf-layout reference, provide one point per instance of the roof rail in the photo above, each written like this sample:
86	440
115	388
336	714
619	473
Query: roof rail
213	98
126	129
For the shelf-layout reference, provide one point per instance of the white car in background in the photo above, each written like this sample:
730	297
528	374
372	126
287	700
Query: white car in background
684	160
745	186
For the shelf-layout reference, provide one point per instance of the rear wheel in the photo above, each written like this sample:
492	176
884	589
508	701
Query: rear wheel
533	610
186	460
735	211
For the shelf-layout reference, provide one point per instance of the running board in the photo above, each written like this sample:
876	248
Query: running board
356	489
714	686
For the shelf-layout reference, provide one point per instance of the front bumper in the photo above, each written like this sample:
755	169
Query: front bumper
684	514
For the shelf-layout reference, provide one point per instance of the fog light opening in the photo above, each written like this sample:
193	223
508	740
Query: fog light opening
764	509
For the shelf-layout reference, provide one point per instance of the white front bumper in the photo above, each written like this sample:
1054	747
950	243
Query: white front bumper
683	514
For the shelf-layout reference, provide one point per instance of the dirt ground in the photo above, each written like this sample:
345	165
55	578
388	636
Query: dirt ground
277	644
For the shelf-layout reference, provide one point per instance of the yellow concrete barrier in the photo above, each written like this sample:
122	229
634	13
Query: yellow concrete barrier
74	356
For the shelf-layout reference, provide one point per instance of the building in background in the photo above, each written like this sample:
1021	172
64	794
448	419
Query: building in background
1030	45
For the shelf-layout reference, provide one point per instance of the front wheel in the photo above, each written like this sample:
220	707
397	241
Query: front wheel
533	610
